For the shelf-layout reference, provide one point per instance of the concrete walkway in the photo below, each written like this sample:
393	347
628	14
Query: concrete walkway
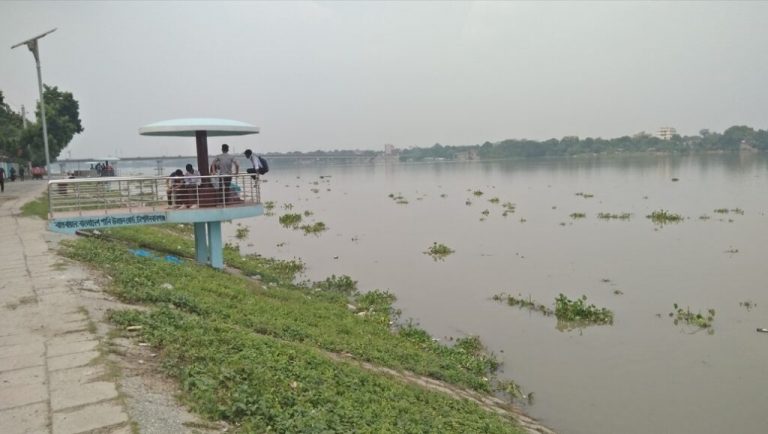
52	378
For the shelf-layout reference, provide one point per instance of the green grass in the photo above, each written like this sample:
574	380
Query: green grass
37	207
258	357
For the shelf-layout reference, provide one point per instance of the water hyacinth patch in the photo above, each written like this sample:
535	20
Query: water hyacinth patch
662	217
438	251
578	311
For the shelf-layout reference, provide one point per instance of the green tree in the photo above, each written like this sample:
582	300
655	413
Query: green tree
62	114
10	129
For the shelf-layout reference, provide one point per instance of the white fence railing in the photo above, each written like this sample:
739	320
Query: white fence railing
91	196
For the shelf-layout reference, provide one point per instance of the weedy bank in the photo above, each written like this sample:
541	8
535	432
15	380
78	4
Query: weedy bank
264	354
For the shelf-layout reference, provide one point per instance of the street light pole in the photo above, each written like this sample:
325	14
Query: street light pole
32	45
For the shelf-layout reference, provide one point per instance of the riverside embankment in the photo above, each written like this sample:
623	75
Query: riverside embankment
259	352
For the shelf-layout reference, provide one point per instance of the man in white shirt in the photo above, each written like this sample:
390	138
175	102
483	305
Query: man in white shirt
255	164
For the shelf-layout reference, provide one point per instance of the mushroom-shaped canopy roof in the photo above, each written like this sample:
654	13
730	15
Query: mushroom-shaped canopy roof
188	127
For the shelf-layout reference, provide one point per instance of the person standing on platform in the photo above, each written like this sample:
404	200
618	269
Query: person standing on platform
224	163
2	180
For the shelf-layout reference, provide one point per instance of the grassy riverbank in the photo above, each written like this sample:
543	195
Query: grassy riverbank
268	355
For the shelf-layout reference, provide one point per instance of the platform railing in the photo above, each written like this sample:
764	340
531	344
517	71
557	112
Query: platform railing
97	196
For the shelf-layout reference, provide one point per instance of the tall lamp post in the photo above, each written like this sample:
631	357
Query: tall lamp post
32	45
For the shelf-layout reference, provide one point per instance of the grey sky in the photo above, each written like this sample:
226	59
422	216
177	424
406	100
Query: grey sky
360	74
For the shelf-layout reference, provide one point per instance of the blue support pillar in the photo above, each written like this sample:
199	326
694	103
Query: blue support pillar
201	243
214	244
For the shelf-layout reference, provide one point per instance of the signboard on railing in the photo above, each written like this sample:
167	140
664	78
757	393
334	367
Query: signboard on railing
78	223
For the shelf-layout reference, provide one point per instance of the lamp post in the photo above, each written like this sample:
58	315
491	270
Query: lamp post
32	45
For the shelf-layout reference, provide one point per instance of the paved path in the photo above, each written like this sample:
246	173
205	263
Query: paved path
52	378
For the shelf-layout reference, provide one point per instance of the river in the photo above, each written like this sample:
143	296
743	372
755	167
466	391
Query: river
642	374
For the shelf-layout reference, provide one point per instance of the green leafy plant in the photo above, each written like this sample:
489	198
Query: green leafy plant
699	320
662	217
241	233
612	216
314	228
439	251
578	311
523	303
578	215
290	220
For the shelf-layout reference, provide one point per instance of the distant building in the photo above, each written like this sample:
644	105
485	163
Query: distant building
389	149
666	133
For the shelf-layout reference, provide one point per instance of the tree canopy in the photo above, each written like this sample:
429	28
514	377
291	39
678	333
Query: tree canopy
62	112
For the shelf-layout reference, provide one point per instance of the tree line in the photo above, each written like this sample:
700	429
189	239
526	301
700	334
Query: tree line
732	139
21	144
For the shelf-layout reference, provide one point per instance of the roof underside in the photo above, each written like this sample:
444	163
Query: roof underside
188	127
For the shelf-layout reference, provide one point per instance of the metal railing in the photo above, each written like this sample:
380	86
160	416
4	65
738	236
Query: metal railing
97	196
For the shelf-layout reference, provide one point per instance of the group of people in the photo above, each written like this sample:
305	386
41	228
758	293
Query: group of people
105	169
11	175
183	186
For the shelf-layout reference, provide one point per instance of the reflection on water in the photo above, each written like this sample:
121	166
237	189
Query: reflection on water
641	374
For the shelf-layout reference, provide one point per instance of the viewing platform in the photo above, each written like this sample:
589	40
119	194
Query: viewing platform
100	203
204	200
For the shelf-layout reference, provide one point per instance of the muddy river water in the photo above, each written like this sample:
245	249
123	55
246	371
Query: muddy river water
643	373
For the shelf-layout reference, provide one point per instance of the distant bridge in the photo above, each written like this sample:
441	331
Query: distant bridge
270	157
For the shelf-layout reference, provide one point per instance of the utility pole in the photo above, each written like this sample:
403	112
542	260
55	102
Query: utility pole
32	45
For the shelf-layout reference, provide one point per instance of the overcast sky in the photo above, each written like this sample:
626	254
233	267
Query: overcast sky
319	75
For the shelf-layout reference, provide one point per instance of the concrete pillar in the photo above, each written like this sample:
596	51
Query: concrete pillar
214	244
201	243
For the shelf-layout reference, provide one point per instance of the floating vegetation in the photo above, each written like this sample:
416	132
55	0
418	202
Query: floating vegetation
290	220
722	211
748	304
738	211
342	284
288	206
314	228
522	220
269	205
578	215
675	179
477	193
562	223
443	195
585	195
618	292
732	251
612	216
514	391
485	212
308	213
398	198
605	280
693	319
523	303
438	251
493	200
579	312
468	202
704	217
662	217
280	244
241	233
314	190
